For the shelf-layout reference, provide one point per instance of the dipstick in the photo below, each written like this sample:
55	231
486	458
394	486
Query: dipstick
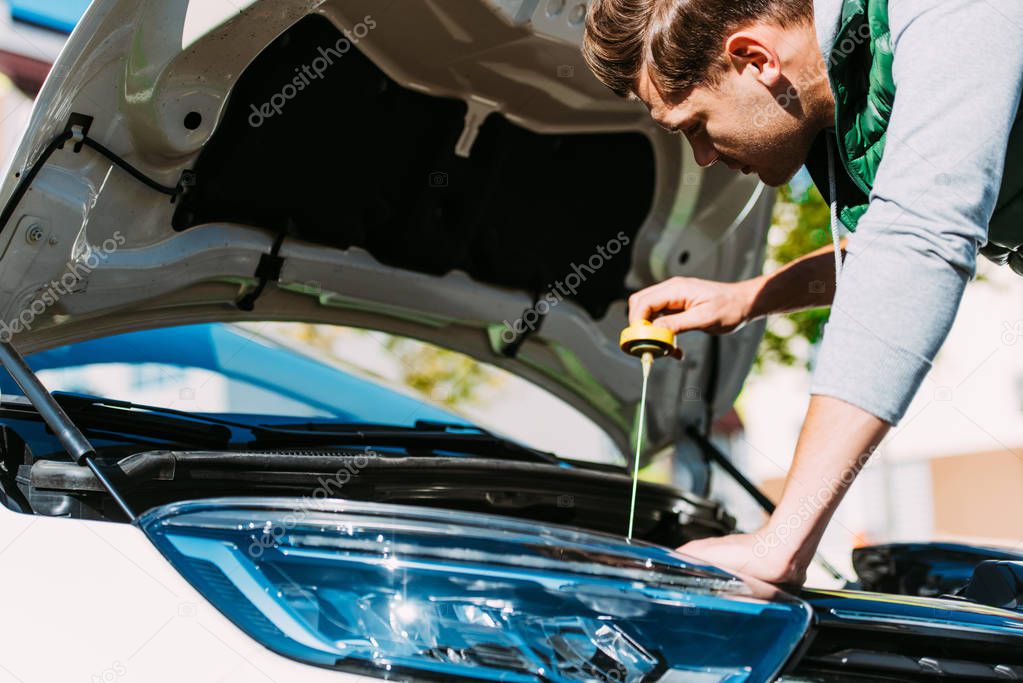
646	342
647	362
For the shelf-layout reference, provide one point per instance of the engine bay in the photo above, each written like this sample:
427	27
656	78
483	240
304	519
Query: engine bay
423	468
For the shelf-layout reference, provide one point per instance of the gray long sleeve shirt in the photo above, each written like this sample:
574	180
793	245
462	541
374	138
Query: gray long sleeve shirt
958	72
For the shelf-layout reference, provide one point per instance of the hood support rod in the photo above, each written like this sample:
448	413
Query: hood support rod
711	452
74	442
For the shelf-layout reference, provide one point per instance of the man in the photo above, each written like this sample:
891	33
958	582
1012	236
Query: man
923	96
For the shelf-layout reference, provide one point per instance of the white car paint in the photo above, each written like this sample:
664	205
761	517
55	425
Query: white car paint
95	601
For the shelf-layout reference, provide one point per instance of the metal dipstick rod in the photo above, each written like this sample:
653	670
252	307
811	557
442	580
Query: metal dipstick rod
647	362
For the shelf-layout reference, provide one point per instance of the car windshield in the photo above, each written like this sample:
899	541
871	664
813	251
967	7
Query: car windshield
277	373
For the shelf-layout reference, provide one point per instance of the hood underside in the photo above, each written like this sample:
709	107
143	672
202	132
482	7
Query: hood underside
446	172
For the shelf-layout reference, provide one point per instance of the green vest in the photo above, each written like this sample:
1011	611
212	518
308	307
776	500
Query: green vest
860	70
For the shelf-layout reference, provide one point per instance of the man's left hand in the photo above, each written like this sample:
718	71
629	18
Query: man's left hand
834	445
751	555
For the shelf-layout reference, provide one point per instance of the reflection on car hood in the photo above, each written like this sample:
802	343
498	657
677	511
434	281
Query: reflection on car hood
166	85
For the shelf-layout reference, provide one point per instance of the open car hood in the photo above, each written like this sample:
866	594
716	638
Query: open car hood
445	171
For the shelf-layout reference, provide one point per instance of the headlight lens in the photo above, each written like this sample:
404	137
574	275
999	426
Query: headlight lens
404	592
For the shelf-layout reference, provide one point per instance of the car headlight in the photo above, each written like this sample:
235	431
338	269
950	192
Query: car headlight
404	592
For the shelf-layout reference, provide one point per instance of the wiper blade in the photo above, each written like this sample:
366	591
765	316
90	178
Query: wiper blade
418	427
97	414
425	435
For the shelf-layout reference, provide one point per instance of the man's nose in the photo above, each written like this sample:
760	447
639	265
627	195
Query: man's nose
704	152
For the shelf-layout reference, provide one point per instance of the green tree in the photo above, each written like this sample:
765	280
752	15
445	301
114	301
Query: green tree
439	375
443	376
800	225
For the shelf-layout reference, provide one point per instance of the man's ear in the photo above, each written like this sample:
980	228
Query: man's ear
752	50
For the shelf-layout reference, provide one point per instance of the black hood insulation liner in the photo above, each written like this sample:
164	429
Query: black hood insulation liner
356	160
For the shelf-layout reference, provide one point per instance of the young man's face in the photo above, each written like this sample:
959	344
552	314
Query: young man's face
738	122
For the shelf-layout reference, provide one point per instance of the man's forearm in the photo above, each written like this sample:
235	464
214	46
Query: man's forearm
834	445
836	441
807	282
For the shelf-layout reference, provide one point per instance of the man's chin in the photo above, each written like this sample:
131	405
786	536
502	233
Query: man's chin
775	177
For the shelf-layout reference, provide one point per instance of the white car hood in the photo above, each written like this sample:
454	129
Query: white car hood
89	250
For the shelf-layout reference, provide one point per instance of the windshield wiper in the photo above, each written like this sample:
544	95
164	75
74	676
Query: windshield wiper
183	426
425	434
102	415
99	415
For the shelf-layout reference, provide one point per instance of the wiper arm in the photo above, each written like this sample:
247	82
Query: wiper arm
101	416
98	414
434	436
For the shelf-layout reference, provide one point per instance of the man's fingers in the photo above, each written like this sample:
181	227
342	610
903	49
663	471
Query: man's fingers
647	303
678	323
640	307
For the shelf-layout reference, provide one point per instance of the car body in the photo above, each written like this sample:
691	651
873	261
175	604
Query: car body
439	171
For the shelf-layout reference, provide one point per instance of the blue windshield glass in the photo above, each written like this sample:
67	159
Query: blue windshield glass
223	369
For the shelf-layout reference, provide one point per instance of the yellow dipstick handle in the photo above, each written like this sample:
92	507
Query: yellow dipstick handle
645	337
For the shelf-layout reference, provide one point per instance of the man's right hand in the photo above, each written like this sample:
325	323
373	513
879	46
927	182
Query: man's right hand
682	304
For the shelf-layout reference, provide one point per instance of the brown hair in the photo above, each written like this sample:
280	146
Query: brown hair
679	42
